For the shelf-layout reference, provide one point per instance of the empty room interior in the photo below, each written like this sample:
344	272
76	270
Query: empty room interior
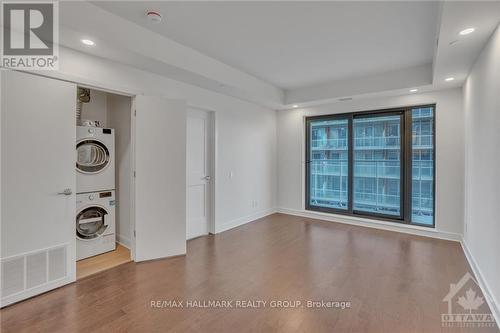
250	166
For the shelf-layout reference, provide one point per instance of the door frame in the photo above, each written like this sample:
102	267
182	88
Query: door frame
212	165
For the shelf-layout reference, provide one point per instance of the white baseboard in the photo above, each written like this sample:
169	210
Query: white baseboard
364	222
244	220
125	241
483	284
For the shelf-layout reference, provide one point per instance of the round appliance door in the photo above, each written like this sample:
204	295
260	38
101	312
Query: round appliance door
92	156
90	223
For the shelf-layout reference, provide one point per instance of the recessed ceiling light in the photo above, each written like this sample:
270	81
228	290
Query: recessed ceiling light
414	90
295	106
448	79
466	31
88	42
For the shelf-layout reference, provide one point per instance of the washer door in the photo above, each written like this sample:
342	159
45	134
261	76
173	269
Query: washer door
90	223
92	156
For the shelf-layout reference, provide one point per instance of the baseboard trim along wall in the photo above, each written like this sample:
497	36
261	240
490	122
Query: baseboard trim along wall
364	222
483	284
243	220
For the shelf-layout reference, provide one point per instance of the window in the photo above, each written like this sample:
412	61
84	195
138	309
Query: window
378	164
422	195
329	164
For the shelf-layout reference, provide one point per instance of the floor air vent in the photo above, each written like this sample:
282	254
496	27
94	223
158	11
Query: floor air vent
31	270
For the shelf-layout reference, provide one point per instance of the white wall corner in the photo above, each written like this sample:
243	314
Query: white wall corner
124	241
243	220
493	303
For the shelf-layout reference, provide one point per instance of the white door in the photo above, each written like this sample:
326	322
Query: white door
198	173
160	184
38	181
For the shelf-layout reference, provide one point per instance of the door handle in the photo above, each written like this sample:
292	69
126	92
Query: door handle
67	191
207	177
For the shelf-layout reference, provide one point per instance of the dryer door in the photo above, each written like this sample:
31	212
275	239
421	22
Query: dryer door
92	156
90	222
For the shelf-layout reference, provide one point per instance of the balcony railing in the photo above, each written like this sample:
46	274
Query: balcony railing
328	167
333	195
374	142
418	141
329	144
362	168
377	169
376	201
422	170
422	141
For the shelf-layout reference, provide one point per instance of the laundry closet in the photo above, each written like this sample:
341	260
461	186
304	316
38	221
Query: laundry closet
103	180
74	197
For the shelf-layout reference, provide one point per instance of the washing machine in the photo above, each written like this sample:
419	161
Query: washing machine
95	223
95	161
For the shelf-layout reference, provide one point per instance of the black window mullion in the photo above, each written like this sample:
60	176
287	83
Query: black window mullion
408	164
350	162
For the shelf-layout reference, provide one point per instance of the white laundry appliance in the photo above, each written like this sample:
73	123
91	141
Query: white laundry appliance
95	163
95	223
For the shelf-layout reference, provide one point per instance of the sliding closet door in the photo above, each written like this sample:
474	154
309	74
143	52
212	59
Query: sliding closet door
37	184
160	182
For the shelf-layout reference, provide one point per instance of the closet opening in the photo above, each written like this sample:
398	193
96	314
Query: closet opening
104	174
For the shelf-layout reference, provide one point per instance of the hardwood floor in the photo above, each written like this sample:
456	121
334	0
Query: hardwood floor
394	283
102	262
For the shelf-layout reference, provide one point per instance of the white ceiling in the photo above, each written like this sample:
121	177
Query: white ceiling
298	44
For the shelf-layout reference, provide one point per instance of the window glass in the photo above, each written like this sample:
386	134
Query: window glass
377	165
422	203
328	165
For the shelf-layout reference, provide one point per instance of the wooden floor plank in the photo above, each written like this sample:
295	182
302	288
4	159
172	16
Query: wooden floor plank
102	262
395	283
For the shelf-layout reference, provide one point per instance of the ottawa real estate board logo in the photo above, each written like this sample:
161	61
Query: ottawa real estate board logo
30	35
467	308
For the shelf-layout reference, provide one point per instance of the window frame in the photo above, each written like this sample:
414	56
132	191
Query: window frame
406	153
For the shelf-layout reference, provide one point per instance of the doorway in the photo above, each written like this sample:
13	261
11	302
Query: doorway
104	181
200	172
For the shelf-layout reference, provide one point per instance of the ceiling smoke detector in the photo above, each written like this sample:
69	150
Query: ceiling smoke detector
153	16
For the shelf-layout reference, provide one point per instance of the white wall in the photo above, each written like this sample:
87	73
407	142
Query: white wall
482	201
449	155
245	132
118	116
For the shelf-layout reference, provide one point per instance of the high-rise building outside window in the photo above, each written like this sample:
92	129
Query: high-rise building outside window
378	164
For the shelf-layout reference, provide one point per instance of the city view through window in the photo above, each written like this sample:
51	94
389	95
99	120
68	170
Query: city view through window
379	167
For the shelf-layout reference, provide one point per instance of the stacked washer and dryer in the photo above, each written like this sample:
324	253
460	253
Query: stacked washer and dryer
95	184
